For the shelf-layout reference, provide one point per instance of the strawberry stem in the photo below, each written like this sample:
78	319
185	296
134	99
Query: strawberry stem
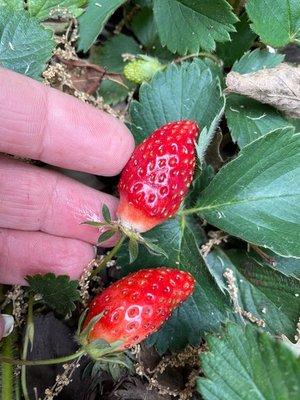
59	360
109	256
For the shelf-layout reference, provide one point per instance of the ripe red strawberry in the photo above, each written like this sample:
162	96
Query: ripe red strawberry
137	305
157	176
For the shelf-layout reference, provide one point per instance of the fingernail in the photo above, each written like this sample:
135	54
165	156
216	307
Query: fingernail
8	324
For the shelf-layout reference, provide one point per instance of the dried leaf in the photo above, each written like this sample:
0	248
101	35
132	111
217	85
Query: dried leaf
279	87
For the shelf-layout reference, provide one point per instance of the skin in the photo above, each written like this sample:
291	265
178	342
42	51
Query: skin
40	209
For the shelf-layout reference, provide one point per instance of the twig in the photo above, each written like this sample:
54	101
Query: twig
233	292
216	238
263	255
128	17
62	380
84	64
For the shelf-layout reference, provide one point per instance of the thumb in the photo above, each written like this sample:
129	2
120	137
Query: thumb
6	325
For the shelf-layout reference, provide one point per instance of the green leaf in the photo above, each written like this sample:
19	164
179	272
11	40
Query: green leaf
105	236
106	213
180	329
13	4
207	308
144	3
112	92
246	364
206	136
96	224
257	196
154	248
241	41
185	26
268	294
144	28
92	21
42	9
109	55
25	46
133	248
202	179
288	266
276	22
188	91
255	60
248	119
58	292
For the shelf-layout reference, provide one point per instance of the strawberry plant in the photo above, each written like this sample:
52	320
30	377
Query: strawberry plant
200	295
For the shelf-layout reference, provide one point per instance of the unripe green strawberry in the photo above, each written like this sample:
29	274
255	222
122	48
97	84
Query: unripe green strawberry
136	306
142	69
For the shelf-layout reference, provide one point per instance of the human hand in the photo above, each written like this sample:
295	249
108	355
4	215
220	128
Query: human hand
41	211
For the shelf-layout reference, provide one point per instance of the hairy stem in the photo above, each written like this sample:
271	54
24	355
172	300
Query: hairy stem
7	389
59	360
109	256
29	329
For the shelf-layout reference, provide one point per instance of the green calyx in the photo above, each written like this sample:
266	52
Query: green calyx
99	350
142	69
135	239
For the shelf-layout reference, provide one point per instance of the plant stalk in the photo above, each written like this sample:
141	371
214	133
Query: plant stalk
109	256
7	389
29	329
59	360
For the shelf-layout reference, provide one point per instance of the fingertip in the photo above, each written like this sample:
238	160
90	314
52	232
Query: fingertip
122	145
94	141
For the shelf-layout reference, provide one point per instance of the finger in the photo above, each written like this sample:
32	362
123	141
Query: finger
29	253
35	199
42	123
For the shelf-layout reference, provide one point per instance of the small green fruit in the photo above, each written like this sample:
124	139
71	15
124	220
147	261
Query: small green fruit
142	69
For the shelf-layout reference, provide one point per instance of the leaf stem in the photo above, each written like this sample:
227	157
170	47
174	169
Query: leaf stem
201	54
109	256
29	330
59	360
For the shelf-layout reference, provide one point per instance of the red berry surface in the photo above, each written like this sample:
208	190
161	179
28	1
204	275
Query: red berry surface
158	175
137	305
